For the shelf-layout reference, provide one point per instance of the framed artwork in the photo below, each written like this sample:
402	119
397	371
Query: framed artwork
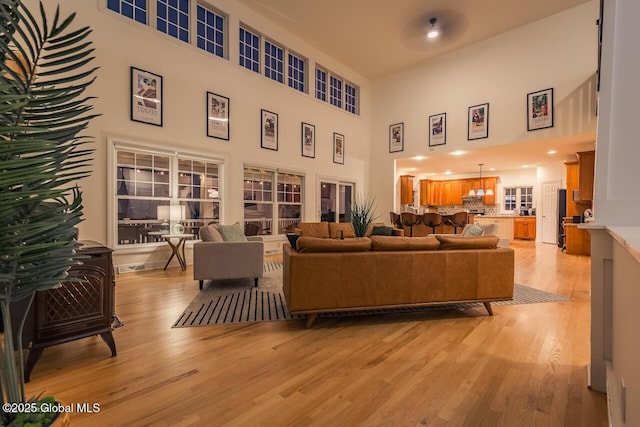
217	116
146	97
308	140
338	148
478	122
269	130
437	129
540	109
396	137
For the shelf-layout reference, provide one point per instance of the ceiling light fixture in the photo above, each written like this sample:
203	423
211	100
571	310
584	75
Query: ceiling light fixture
433	31
481	192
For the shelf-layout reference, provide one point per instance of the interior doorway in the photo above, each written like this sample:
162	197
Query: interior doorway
549	221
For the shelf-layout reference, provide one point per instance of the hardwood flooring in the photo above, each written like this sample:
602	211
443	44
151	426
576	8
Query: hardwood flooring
525	366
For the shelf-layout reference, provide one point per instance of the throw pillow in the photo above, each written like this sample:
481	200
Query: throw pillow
382	230
293	240
471	242
472	230
232	233
210	233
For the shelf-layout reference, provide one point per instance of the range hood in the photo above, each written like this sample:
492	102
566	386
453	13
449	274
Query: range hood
471	198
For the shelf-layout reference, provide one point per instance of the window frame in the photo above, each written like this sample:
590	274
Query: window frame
520	197
117	146
152	17
326	91
275	175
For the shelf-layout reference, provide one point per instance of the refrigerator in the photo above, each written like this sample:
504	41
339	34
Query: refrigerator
562	212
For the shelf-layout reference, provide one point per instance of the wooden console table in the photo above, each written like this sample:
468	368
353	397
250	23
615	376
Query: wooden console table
77	309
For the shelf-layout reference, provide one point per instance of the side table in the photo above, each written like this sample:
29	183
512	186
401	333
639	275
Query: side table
177	249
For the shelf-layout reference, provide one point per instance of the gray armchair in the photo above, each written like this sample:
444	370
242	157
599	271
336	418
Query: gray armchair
228	260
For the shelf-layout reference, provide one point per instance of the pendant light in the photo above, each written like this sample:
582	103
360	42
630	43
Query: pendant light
481	192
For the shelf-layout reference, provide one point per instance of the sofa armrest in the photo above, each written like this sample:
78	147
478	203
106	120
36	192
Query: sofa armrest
227	260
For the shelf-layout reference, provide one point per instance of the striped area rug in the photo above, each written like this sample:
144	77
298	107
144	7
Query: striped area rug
237	301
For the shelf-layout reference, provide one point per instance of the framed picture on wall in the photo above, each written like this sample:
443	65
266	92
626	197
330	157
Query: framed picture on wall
540	109
396	137
478	122
269	130
308	140
338	148
217	116
146	97
437	129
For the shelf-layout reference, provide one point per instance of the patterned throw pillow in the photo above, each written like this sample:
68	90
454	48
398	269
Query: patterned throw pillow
472	230
232	233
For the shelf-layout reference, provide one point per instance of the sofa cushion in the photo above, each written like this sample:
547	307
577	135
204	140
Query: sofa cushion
472	242
317	244
314	229
389	243
345	227
232	233
382	230
472	230
210	233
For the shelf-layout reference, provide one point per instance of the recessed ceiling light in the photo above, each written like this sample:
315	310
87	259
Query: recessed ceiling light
525	166
448	172
458	152
419	158
492	169
551	152
412	169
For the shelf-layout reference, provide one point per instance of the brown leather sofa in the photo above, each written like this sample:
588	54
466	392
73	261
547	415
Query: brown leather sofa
325	275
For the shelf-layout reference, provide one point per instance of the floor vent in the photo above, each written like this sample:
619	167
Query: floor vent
130	268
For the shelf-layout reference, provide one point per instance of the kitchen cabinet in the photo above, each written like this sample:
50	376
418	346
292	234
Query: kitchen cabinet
573	178
586	165
490	183
505	224
524	228
426	192
406	189
577	240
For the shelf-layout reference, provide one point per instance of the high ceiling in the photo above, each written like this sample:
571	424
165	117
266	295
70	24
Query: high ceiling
378	37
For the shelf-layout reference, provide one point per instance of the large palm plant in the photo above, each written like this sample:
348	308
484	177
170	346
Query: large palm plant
44	73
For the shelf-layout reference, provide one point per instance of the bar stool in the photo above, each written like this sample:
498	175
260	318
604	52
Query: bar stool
409	219
395	220
458	220
432	220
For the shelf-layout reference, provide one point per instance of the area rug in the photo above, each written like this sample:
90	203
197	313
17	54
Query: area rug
237	301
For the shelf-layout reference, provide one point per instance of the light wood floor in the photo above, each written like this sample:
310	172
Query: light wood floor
525	366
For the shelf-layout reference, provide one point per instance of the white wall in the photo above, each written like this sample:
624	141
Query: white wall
188	73
558	51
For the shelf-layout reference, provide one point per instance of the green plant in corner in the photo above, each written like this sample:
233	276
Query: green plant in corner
44	74
362	214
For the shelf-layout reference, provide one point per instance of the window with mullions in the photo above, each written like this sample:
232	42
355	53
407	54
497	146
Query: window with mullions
249	50
518	198
173	18
297	72
133	9
272	215
210	31
350	98
335	91
274	62
321	84
145	180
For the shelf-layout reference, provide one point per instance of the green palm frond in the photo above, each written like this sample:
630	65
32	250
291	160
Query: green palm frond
44	75
362	214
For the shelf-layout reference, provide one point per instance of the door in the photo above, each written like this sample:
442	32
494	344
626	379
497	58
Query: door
335	200
549	221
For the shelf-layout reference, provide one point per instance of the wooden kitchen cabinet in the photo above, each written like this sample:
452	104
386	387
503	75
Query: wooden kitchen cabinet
586	164
492	184
406	189
577	240
573	179
524	228
426	193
